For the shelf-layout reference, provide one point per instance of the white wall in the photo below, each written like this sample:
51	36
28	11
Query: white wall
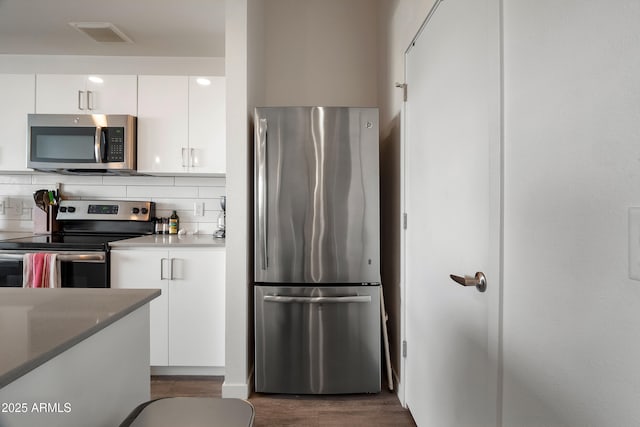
236	381
572	134
321	52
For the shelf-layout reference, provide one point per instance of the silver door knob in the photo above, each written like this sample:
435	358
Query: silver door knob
479	280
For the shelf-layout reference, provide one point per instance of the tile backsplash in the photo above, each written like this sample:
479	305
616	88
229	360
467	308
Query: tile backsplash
180	193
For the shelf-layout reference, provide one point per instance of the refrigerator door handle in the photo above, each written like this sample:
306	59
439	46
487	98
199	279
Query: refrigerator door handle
262	190
317	300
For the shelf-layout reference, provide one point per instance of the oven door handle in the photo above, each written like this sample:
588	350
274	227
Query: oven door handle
65	257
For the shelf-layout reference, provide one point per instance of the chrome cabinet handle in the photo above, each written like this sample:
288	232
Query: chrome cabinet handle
90	105
317	300
479	281
185	157
80	98
162	277
262	190
171	269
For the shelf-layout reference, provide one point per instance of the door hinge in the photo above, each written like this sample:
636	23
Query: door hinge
404	220
404	90
404	349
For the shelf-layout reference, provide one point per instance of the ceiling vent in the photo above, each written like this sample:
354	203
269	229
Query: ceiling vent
103	32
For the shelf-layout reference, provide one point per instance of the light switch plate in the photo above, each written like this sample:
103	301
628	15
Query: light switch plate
16	204
198	208
634	243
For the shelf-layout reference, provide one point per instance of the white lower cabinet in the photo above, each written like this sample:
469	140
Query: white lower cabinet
187	320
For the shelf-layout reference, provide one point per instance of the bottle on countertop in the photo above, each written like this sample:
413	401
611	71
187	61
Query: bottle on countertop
174	223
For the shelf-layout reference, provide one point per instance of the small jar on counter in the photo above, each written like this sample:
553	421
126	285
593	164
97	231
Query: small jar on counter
165	225
157	225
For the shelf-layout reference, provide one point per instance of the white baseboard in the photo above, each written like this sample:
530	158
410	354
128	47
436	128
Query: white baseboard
399	388
216	371
238	390
235	391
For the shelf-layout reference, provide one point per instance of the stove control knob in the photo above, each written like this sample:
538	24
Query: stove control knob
144	211
135	211
71	209
63	208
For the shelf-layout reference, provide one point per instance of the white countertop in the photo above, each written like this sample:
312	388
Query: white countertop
38	324
8	235
172	240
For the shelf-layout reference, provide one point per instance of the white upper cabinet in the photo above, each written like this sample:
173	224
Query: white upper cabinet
163	123
207	124
86	94
18	95
181	125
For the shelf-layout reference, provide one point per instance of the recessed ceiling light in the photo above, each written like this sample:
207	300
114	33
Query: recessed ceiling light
103	32
203	82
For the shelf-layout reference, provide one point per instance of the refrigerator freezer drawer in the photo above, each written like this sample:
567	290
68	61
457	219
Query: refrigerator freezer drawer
317	340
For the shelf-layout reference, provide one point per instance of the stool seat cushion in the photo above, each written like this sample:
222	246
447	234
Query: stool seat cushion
192	412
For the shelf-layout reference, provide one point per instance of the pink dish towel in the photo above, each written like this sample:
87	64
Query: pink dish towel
27	270
40	270
53	272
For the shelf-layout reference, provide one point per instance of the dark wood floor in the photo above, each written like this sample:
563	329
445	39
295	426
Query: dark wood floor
382	409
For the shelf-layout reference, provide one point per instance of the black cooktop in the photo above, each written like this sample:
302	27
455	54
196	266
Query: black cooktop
85	242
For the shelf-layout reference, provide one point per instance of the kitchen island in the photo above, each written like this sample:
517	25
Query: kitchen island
73	357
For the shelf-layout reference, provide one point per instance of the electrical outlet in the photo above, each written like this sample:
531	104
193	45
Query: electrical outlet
198	208
17	206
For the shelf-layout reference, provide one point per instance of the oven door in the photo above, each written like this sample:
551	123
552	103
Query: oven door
77	269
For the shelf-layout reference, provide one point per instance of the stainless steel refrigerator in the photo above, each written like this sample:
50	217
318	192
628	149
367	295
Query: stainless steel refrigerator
317	250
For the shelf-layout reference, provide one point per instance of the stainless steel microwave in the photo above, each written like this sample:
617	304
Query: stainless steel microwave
82	143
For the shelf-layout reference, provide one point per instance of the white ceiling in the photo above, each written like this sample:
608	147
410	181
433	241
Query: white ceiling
157	27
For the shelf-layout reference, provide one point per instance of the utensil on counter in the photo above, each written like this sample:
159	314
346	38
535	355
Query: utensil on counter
39	199
44	198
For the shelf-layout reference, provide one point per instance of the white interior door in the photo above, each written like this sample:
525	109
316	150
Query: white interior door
452	198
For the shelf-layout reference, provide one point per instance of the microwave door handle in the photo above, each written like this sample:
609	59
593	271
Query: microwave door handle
97	147
103	144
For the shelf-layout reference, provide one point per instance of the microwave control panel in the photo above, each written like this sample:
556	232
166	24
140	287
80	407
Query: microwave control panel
115	144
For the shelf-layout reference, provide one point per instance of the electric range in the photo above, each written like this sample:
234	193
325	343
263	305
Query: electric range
86	227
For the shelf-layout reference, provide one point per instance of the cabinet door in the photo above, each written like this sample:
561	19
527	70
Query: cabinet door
18	92
60	94
112	94
86	94
196	308
142	270
163	111
207	124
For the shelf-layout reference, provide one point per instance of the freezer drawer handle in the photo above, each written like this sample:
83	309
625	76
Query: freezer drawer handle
317	300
